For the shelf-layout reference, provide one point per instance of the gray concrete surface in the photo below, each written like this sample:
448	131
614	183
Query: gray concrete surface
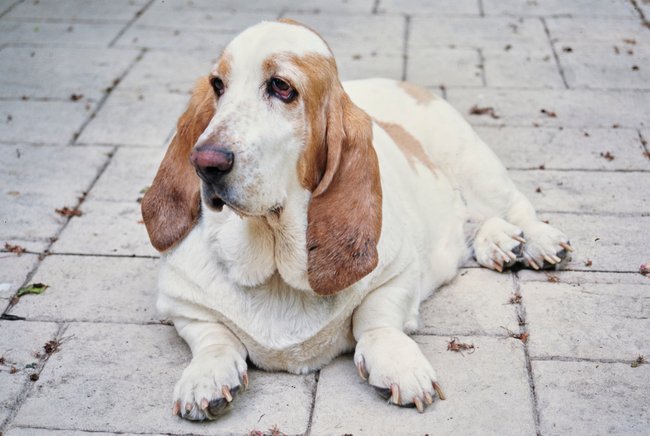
89	94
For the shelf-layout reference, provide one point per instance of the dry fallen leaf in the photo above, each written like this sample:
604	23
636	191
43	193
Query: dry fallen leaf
17	249
515	298
458	347
548	113
552	278
489	110
66	211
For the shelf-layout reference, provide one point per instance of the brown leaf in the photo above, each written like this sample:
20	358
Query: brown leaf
17	249
75	97
458	347
489	110
552	278
588	262
548	113
607	155
66	211
515	298
645	269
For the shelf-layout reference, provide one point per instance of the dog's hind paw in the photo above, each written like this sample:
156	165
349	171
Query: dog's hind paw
545	247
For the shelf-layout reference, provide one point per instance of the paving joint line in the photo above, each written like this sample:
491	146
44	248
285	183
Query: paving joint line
639	11
38	427
56	236
375	7
9	9
523	328
555	55
644	143
481	66
481	9
581	359
407	35
314	391
128	25
29	384
108	93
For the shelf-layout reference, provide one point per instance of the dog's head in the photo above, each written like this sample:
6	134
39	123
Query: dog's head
271	116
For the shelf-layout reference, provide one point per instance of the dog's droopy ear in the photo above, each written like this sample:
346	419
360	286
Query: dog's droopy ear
171	206
344	217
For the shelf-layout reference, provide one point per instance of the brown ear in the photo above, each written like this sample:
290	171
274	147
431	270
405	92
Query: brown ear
171	206
344	217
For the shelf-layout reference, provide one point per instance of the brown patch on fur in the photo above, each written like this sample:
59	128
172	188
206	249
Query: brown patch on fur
171	206
410	146
339	165
224	66
421	95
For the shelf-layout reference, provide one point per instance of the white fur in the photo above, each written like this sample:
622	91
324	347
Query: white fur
239	284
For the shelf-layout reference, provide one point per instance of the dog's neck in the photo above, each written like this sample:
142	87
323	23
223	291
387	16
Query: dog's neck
253	249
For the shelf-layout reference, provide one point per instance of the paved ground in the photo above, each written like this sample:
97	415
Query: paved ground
89	93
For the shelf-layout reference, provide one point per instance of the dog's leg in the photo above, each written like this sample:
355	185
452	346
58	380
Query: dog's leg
389	359
216	373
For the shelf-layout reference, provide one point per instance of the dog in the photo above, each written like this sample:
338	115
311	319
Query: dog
301	218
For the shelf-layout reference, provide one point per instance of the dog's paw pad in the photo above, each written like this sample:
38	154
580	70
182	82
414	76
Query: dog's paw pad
498	244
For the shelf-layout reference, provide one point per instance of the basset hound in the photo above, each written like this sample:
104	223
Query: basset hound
300	218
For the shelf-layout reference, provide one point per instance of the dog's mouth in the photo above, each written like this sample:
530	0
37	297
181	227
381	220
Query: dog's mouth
215	203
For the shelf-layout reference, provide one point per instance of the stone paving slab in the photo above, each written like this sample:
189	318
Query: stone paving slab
575	8
128	175
572	108
153	38
424	7
461	67
566	149
22	73
521	67
108	228
475	303
353	66
122	377
31	431
58	34
36	180
589	192
114	10
311	6
604	243
358	34
580	277
57	121
621	66
13	272
199	16
485	389
87	288
168	72
587	320
19	343
482	32
592	398
606	30
131	118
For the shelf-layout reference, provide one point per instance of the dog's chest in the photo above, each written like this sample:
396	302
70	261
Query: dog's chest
282	327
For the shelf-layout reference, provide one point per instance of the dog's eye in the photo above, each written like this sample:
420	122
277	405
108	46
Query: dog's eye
217	85
282	90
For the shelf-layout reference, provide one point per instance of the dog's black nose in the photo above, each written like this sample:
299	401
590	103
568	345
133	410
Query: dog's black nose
211	161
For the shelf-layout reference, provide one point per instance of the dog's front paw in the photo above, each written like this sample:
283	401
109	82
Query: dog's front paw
209	383
394	365
545	246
